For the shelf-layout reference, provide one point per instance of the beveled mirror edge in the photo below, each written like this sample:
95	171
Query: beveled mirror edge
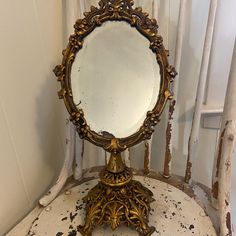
115	10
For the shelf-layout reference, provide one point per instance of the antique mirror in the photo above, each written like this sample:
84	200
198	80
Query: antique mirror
115	81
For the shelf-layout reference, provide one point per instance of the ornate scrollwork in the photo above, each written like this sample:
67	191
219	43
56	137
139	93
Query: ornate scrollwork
112	10
117	179
128	205
117	199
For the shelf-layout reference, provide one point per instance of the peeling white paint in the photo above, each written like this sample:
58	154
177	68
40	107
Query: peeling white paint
173	213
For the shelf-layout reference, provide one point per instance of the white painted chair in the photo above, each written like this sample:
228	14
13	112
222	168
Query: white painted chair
182	206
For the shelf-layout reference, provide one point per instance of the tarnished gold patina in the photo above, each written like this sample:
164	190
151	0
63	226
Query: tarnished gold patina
117	199
128	204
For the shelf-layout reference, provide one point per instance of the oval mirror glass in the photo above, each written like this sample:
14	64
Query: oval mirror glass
115	79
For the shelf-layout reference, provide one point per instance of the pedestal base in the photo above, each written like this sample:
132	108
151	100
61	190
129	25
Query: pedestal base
128	204
173	212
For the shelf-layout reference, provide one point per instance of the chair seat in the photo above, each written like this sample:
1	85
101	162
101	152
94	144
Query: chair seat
173	213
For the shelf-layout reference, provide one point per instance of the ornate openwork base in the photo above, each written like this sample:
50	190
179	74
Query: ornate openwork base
117	199
128	204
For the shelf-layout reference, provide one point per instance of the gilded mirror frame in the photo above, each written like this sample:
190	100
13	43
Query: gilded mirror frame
115	10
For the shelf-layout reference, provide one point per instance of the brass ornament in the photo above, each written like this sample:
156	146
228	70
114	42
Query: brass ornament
117	199
128	205
115	10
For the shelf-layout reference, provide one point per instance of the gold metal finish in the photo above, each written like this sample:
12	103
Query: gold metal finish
146	158
128	205
115	165
115	179
115	10
117	199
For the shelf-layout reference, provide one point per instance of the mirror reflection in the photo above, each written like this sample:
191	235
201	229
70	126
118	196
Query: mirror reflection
115	79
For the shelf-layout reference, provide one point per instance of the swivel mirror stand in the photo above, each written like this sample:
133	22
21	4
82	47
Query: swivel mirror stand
116	199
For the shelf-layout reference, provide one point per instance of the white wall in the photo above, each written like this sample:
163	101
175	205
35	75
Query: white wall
30	134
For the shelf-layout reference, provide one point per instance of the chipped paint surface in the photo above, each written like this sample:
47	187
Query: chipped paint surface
228	223
215	190
146	158
168	154
188	173
202	196
173	213
222	176
220	151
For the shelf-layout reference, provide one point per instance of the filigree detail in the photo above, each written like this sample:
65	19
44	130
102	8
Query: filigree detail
116	179
112	10
156	43
114	213
171	72
75	42
117	199
128	205
115	5
114	146
59	71
61	93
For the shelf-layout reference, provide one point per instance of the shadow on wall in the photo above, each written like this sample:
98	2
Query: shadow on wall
50	124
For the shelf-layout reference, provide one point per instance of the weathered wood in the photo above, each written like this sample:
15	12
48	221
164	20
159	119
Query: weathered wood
195	191
194	135
168	150
148	155
23	228
226	146
173	211
223	176
170	123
